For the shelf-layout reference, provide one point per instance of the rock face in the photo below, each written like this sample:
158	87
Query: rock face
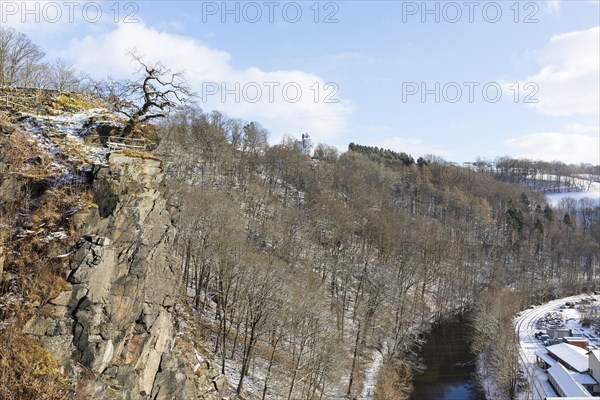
116	331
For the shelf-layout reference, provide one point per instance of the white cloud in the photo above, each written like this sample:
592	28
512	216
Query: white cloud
553	6
413	146
569	78
581	128
550	146
208	69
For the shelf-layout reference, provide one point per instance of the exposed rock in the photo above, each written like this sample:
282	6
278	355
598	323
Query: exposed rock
118	322
39	326
101	128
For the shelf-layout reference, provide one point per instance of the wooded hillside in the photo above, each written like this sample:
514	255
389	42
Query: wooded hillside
301	267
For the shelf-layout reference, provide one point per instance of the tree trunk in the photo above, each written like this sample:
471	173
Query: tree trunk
354	359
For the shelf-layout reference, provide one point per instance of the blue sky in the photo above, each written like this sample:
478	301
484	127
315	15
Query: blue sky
377	57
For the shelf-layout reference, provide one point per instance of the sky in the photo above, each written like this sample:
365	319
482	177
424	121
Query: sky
459	79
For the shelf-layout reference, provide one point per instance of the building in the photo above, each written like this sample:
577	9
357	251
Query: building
558	332
566	398
572	357
573	372
544	360
577	341
306	144
565	384
594	365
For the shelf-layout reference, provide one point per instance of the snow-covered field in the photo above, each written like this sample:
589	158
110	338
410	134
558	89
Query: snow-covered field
592	192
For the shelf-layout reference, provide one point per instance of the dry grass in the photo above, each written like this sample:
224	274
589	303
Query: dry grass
39	277
74	152
26	156
394	382
149	132
88	199
73	102
34	274
5	119
28	370
192	338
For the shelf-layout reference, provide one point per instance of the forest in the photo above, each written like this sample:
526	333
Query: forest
302	267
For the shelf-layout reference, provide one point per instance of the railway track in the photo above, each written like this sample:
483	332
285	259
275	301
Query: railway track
523	328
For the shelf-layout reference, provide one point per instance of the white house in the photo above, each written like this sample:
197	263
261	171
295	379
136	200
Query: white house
594	365
564	383
574	373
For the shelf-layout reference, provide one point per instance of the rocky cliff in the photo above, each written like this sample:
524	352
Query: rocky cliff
122	331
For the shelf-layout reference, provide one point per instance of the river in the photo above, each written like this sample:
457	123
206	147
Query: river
449	362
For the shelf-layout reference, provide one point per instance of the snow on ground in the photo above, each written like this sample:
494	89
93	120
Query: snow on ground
486	381
525	327
371	377
63	135
280	377
591	190
594	194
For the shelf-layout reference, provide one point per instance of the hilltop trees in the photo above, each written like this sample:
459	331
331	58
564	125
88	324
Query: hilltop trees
19	57
62	75
545	176
22	65
385	156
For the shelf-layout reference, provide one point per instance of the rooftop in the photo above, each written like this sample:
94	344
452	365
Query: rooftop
546	358
575	338
572	356
584	379
566	382
567	398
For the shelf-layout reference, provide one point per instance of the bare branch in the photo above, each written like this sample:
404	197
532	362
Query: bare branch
157	92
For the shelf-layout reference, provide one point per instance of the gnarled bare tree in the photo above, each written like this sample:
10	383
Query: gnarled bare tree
154	95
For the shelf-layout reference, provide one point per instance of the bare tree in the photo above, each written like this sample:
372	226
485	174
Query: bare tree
62	75
494	339
154	95
261	286
18	55
35	75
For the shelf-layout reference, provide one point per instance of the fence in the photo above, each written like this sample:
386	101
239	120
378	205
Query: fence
122	143
27	100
